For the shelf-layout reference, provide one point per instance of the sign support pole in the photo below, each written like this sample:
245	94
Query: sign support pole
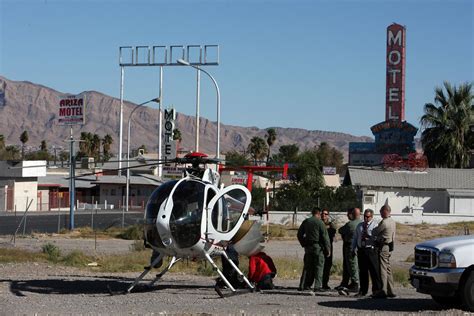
72	182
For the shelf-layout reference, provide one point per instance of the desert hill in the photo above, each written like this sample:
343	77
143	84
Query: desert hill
33	107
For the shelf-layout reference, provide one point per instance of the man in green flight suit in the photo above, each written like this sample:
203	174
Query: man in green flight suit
350	268
313	236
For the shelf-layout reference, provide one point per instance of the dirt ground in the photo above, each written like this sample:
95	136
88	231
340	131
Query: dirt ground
37	288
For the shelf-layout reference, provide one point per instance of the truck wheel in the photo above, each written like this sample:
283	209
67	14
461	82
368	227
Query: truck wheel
467	293
447	301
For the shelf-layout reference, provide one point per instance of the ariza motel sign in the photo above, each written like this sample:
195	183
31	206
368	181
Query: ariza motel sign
71	110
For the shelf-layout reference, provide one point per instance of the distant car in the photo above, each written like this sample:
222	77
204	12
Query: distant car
444	268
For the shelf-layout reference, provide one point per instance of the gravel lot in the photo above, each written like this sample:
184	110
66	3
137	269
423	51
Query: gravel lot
46	289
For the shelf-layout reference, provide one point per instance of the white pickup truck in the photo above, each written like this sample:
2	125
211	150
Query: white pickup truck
444	268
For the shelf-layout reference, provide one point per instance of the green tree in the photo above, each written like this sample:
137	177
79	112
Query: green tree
329	156
44	146
2	142
95	146
10	153
302	192
446	124
23	139
38	155
85	145
106	145
287	153
234	159
270	138
177	137
64	156
257	149
338	199
258	199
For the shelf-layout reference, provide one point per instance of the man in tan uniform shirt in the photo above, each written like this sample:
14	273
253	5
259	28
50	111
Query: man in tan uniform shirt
384	236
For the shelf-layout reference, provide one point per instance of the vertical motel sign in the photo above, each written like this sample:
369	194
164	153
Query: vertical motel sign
169	144
71	110
395	94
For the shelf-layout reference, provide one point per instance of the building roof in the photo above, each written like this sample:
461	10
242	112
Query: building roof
432	178
135	180
63	182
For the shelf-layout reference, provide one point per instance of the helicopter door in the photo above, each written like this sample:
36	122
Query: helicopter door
226	212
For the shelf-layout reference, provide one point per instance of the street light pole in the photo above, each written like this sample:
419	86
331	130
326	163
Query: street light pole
185	63
157	100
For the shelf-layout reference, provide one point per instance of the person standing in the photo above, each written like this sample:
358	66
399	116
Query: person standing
331	228
313	236
363	245
384	235
350	268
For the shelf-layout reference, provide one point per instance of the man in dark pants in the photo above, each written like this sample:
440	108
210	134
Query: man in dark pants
363	245
313	236
331	228
384	235
350	268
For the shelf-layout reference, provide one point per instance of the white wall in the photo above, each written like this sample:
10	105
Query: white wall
22	191
461	205
403	201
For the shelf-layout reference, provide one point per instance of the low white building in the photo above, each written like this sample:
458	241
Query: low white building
18	184
435	196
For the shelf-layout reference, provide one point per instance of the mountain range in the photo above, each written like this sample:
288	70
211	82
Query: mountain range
34	108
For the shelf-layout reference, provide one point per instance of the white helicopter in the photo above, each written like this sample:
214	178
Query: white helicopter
196	218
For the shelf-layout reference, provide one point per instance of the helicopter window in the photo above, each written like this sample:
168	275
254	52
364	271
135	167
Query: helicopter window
156	199
186	215
227	210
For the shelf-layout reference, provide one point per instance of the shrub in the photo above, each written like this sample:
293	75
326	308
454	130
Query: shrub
205	268
76	259
336	268
134	232
400	276
52	251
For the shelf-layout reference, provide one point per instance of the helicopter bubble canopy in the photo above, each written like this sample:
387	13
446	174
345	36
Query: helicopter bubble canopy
194	212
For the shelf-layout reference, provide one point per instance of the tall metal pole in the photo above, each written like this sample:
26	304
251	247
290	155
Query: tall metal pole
122	74
198	92
218	146
160	122
72	182
128	150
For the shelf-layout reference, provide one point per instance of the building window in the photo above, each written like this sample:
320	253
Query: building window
113	192
368	199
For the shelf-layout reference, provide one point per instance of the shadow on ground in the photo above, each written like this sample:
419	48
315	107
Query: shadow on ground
89	287
391	305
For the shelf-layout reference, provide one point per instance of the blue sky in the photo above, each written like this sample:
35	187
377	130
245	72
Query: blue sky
318	65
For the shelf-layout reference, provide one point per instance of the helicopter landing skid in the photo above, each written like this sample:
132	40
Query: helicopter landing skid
233	290
159	275
143	274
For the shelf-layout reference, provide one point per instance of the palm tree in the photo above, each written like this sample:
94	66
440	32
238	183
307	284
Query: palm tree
106	144
24	139
178	137
85	145
43	146
271	137
257	148
446	133
95	146
2	142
